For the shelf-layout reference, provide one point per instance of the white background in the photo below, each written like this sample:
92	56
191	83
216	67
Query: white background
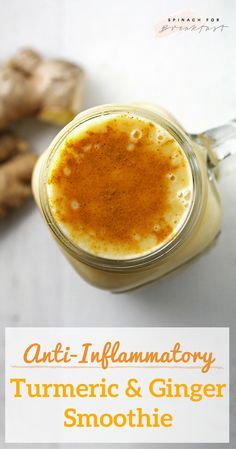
191	75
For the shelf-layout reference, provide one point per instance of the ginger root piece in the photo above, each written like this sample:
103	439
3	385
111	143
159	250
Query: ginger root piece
49	89
16	166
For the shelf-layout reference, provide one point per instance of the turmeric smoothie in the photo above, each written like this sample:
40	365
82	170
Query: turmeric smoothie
120	187
127	194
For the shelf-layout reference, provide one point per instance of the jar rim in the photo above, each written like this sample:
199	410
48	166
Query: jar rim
166	249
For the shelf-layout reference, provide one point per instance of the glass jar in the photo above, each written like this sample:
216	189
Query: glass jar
199	230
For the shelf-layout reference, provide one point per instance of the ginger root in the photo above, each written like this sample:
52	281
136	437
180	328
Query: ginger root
48	89
16	165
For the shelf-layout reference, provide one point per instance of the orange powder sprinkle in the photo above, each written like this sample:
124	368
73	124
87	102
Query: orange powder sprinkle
113	184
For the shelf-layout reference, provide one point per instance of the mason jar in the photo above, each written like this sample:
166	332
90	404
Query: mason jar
199	230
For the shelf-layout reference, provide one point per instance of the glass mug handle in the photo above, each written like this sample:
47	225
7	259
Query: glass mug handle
220	143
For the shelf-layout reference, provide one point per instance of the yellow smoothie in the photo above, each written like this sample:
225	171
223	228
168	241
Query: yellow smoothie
120	187
127	194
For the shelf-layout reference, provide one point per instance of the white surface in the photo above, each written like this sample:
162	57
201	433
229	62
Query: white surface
191	75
